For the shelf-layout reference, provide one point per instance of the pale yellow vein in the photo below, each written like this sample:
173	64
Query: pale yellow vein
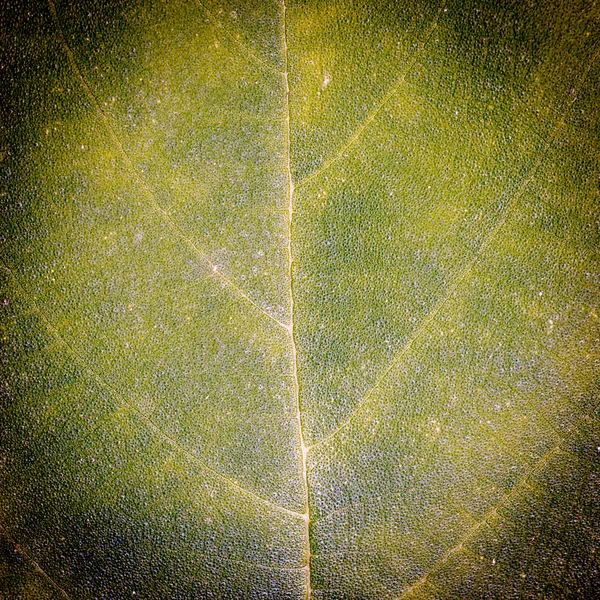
149	422
398	494
456	283
452	288
355	137
290	219
368	502
249	53
35	564
522	484
176	229
218	559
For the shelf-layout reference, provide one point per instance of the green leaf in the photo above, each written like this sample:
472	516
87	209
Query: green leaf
299	301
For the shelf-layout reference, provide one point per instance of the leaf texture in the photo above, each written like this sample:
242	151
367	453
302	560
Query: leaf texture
299	300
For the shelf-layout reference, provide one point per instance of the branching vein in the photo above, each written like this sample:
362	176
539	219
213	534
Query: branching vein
176	229
147	420
522	484
209	559
247	51
452	288
35	564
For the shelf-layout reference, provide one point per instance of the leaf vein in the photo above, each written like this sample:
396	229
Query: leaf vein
358	132
290	219
149	422
524	482
454	285
175	228
249	53
35	564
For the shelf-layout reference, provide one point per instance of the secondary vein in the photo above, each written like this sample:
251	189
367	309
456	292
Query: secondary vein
358	132
175	228
35	564
466	270
240	44
538	467
114	393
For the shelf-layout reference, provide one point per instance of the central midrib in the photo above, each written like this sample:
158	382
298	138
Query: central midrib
291	326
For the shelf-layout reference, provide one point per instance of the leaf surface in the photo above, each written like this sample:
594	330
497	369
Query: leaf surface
299	300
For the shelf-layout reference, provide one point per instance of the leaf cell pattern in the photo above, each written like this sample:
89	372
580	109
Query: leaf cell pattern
299	299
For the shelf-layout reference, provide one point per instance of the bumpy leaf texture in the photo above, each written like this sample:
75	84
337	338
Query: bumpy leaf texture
300	300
